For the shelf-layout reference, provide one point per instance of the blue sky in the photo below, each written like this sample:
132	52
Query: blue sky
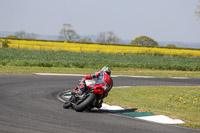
163	20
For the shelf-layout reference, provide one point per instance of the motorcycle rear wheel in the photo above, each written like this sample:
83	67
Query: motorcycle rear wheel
86	103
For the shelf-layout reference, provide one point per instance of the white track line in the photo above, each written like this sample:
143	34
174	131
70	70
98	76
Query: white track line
56	74
114	76
161	119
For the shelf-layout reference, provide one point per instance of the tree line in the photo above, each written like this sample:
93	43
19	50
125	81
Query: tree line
67	33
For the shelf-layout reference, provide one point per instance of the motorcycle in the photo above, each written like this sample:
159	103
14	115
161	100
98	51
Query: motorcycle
85	98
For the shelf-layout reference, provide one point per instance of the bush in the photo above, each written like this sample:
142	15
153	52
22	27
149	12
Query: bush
144	41
171	46
5	44
11	37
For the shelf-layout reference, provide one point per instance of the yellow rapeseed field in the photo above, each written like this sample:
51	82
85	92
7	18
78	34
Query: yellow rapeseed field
113	49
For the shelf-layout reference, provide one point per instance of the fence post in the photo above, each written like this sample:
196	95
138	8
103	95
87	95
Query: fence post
80	49
18	46
1	46
170	53
122	51
152	53
99	50
195	55
58	47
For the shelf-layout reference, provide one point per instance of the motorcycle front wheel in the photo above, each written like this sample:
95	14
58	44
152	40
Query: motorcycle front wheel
66	105
86	103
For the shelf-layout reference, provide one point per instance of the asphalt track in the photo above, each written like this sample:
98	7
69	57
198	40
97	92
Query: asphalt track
28	104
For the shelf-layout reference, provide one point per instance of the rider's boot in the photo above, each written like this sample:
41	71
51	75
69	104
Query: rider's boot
98	104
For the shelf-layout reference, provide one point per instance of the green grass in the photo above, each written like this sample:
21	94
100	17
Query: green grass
177	102
115	71
33	70
29	62
12	57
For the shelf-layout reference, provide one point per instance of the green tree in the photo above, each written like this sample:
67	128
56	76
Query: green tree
144	41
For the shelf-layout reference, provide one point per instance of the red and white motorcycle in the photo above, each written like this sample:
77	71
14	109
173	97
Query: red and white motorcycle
84	99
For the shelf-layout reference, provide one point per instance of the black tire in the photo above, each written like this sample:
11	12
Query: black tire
86	103
66	105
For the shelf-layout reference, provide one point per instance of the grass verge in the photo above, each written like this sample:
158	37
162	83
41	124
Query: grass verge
115	71
176	102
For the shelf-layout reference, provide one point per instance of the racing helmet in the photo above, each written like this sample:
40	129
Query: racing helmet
106	70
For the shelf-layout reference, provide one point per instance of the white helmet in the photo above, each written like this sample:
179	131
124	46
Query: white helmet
106	70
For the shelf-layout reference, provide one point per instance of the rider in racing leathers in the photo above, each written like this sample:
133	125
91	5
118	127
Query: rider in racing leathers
104	83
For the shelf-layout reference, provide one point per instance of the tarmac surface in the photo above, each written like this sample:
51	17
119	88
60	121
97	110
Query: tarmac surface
28	104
